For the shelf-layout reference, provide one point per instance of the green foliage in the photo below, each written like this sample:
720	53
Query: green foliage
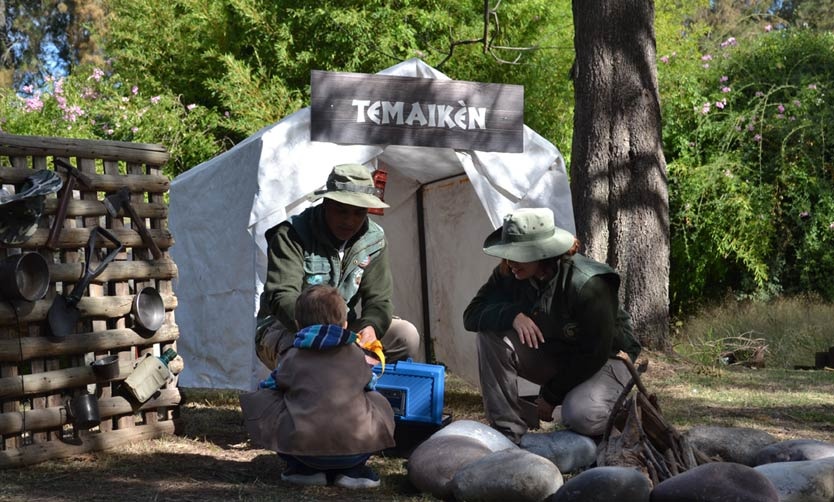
750	166
92	104
249	61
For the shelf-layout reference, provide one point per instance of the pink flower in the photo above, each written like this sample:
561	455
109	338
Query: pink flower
135	90
812	86
768	27
796	103
725	89
97	74
729	42
724	78
719	104
705	108
664	59
751	127
134	130
705	65
155	99
34	104
759	94
831	226
191	106
780	115
706	57
781	108
757	138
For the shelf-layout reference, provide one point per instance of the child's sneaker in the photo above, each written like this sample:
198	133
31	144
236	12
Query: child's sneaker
360	476
300	474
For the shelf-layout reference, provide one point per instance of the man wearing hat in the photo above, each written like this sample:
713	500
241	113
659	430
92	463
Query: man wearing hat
551	316
333	243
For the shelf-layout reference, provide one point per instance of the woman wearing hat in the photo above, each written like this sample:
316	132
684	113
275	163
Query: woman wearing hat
333	243
551	316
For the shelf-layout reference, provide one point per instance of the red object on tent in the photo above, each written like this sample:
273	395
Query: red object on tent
380	177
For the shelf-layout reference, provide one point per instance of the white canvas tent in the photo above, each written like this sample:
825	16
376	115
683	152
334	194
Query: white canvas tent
443	203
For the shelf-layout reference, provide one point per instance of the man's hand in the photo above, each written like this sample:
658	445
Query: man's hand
545	410
367	335
528	332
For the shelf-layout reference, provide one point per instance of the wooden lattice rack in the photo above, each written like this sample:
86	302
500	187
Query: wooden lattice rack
38	373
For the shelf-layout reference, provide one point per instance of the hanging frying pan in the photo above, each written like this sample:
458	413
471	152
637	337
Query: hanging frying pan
63	314
148	309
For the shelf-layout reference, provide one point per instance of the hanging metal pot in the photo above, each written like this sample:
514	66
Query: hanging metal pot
24	277
106	368
148	309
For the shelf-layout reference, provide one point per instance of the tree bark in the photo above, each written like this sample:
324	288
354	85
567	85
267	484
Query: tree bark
618	172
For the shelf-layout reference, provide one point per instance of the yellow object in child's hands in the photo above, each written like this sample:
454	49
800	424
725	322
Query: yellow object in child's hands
374	346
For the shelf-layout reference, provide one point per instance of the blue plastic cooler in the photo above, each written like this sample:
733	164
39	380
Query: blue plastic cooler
415	390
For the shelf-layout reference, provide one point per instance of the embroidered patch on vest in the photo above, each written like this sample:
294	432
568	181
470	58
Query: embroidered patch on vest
569	331
314	280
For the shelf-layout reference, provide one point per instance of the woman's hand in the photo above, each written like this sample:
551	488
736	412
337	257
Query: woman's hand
528	332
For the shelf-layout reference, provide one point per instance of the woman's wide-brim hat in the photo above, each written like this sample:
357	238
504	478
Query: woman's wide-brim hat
351	184
528	235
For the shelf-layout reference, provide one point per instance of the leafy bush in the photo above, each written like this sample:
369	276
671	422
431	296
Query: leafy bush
93	104
750	167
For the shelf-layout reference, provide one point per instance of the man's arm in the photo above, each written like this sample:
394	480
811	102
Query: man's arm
284	275
375	291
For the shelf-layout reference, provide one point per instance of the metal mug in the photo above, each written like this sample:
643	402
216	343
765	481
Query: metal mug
83	410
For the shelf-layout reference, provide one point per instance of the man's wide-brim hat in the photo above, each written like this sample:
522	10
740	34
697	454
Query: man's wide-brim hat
351	184
528	235
19	212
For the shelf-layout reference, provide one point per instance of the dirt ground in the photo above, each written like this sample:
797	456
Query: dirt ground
210	459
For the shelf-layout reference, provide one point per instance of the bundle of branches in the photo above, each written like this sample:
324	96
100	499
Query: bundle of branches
638	436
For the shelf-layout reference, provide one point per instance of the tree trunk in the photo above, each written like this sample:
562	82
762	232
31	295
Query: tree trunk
618	172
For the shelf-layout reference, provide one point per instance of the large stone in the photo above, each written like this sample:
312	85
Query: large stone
794	450
568	450
729	444
605	484
435	461
716	482
511	474
482	433
802	481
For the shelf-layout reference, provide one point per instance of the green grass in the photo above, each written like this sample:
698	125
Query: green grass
791	329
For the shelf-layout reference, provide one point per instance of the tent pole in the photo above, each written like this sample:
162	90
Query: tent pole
424	277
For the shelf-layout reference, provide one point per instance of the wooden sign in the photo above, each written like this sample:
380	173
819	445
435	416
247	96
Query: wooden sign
358	108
